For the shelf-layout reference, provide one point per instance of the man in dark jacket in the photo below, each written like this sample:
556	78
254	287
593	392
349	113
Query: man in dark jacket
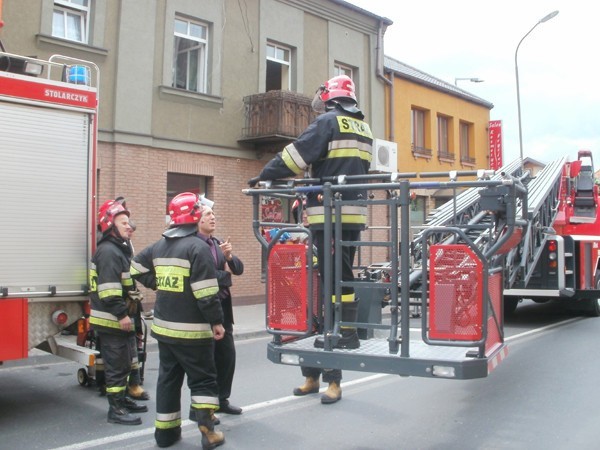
110	282
338	142
188	318
227	264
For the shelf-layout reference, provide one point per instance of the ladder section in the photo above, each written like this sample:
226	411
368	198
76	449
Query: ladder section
464	212
542	208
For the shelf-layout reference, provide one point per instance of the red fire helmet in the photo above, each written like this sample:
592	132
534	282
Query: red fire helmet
185	208
107	213
341	86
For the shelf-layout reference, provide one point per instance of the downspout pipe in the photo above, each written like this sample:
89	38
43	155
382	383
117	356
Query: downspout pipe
381	75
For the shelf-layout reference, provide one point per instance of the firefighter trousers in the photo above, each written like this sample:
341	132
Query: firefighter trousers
117	354
348	253
175	362
329	375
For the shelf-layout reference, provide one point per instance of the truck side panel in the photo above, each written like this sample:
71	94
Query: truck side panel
44	160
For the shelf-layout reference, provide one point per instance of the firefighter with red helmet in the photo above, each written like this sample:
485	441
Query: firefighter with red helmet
338	142
134	305
110	280
187	319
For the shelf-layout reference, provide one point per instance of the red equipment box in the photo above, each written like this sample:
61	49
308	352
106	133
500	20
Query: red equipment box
287	288
455	293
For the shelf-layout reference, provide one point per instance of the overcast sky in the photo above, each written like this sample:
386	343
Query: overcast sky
558	64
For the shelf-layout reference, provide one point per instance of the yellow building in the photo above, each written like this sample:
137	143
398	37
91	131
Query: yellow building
437	126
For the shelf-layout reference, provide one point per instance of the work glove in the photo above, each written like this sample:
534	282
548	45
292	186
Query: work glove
135	295
252	181
133	301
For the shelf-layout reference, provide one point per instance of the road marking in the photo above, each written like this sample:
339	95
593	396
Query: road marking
102	442
541	330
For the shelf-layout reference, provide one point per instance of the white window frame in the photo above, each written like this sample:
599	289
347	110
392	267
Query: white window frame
201	46
341	69
78	9
286	64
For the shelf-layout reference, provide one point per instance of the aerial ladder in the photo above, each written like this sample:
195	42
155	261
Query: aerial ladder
472	260
559	256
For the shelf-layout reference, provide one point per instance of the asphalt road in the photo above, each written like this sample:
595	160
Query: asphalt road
545	395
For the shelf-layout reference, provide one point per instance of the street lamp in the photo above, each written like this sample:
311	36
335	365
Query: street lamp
544	19
472	80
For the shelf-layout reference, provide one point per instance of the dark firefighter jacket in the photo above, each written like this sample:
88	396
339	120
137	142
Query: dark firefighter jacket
338	142
110	280
181	269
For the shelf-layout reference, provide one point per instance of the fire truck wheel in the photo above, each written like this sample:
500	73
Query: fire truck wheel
82	377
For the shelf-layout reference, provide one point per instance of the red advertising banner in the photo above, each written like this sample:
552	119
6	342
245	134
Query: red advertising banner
495	138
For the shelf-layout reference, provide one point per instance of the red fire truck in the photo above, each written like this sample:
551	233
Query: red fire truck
560	258
48	127
505	237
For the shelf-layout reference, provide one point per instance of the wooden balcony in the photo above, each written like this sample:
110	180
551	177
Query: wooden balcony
276	117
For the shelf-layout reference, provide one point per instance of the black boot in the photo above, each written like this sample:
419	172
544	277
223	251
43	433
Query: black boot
118	413
210	438
167	437
349	339
132	406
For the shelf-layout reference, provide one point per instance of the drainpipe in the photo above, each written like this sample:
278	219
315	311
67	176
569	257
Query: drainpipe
390	82
381	75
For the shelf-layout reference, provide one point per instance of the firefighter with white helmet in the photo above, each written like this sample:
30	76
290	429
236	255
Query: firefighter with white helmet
187	319
110	280
338	142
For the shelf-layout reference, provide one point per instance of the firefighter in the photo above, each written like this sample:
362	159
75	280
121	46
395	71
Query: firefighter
134	306
110	281
338	142
188	318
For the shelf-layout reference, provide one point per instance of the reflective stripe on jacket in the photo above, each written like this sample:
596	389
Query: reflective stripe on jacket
182	271
110	280
338	142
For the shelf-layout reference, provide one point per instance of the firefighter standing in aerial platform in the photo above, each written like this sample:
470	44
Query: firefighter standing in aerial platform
187	319
338	142
110	281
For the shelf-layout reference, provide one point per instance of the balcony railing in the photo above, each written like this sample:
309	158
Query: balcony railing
276	116
467	160
421	152
446	156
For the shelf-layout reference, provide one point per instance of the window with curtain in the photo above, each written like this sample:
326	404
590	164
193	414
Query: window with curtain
70	19
418	129
465	130
189	55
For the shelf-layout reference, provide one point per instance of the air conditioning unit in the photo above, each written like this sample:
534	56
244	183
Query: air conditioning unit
385	156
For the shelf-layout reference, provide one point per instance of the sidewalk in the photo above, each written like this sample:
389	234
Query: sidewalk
250	321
